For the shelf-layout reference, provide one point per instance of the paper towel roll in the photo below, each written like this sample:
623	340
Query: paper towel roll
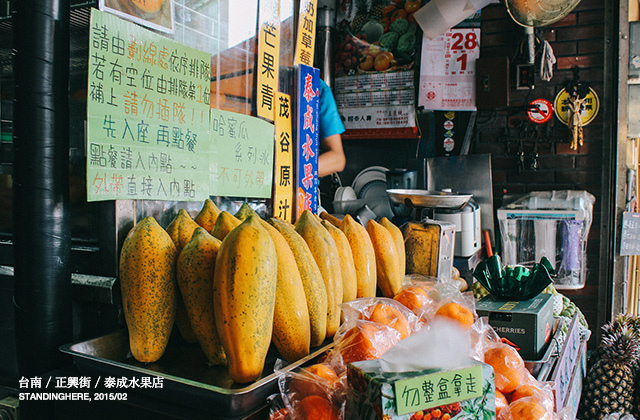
438	16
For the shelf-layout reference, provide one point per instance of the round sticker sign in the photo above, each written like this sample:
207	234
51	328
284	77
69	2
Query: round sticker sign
448	125
589	106
448	144
540	111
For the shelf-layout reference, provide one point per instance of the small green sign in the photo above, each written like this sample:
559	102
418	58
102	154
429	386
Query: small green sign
241	155
436	389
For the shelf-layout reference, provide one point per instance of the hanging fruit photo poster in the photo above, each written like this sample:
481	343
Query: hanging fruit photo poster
375	59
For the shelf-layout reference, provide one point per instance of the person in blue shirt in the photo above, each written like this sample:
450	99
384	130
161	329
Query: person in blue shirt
332	158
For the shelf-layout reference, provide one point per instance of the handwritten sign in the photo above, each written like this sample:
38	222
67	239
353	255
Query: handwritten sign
566	363
436	389
241	155
307	139
306	33
630	238
268	54
283	191
147	113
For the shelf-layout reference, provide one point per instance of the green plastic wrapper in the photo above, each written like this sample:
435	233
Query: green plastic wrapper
513	282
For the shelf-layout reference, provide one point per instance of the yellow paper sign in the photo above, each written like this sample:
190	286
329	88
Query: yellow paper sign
306	33
284	176
268	53
588	110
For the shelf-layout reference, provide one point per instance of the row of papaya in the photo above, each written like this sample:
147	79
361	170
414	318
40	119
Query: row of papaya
237	283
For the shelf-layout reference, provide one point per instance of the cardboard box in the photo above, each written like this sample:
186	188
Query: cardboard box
528	324
372	394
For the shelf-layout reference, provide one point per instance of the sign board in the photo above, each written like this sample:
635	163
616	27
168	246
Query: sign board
268	58
448	70
540	111
307	139
630	240
566	362
437	389
306	38
283	176
588	110
147	115
241	155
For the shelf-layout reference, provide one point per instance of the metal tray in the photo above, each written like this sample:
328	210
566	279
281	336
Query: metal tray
429	199
188	380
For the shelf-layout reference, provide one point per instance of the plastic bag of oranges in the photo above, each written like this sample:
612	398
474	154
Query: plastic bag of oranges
311	392
460	308
419	294
507	365
361	340
383	311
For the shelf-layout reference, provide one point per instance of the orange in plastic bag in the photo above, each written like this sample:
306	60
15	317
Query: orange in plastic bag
319	379
315	407
367	340
413	297
527	409
282	414
456	312
501	402
392	317
507	365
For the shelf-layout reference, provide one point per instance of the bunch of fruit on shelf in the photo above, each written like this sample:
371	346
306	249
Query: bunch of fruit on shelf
382	35
236	284
374	325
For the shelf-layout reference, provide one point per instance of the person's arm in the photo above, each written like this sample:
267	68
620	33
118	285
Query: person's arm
333	159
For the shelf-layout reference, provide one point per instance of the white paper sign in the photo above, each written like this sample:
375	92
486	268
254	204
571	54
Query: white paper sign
448	70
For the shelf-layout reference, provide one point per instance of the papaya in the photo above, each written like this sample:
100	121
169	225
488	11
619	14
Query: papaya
225	223
387	261
244	295
245	211
398	239
325	253
208	215
331	219
291	328
314	289
180	229
364	257
347	267
147	281
194	272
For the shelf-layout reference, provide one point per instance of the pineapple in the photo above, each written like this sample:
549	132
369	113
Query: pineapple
361	16
376	9
609	384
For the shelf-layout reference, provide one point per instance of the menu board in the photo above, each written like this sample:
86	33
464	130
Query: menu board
307	139
147	115
241	155
268	58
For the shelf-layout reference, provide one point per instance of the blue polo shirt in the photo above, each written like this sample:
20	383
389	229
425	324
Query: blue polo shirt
330	122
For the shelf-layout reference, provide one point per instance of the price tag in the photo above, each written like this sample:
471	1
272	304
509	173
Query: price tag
567	361
436	389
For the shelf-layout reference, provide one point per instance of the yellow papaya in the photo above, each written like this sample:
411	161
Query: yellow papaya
244	295
331	219
180	229
398	239
225	223
147	281
347	267
291	328
312	282
208	215
387	260
364	257
325	253
194	271
245	211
